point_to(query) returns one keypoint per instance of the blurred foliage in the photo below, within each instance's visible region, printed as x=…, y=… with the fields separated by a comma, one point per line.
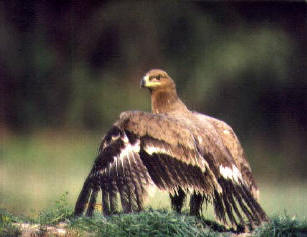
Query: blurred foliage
x=77, y=64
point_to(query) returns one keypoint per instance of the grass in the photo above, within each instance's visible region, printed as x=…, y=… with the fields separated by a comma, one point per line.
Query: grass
x=7, y=227
x=283, y=225
x=146, y=223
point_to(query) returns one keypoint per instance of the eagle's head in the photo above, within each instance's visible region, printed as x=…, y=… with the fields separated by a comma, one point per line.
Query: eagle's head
x=157, y=79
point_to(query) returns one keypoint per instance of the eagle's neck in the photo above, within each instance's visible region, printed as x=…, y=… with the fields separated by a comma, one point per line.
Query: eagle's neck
x=166, y=101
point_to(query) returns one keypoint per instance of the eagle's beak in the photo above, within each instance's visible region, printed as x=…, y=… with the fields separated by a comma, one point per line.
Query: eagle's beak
x=143, y=82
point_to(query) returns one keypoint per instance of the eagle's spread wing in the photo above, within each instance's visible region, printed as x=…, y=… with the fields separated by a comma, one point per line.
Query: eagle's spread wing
x=117, y=169
x=170, y=152
x=232, y=143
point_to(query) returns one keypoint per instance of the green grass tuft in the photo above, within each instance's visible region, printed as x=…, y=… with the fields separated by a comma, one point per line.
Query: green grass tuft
x=282, y=226
x=60, y=212
x=7, y=227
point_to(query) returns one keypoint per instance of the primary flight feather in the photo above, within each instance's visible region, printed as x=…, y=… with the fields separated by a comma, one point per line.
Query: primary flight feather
x=177, y=150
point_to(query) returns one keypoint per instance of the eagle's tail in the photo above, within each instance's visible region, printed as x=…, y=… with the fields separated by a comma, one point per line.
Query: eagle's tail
x=237, y=199
x=86, y=192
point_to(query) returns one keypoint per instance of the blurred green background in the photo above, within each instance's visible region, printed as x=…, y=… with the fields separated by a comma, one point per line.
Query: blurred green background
x=68, y=68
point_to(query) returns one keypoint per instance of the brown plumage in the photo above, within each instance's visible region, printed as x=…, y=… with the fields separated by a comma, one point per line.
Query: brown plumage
x=177, y=150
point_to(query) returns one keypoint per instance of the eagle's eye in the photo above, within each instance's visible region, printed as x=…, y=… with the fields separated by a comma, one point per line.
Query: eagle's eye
x=158, y=77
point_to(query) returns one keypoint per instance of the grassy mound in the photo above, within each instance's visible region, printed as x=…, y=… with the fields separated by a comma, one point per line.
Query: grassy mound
x=59, y=221
x=146, y=223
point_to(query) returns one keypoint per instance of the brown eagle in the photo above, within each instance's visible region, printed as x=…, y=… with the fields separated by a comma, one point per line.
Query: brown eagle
x=177, y=150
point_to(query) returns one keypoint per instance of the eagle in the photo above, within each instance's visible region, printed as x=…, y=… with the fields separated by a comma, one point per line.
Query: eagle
x=179, y=151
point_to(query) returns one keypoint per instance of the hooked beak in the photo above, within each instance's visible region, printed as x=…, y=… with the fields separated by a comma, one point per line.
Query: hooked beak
x=143, y=82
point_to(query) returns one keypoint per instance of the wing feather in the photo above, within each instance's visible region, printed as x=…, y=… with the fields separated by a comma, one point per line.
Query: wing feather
x=233, y=145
